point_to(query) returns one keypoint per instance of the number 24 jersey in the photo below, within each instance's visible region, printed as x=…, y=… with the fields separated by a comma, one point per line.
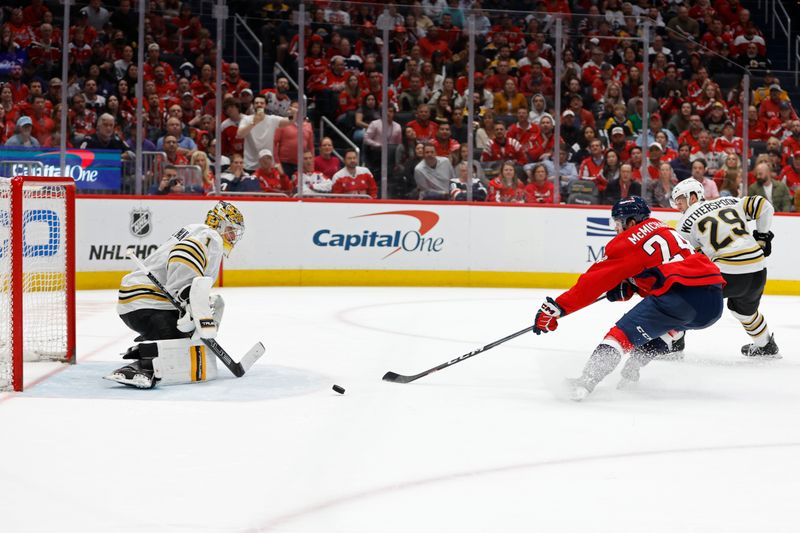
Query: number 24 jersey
x=651, y=255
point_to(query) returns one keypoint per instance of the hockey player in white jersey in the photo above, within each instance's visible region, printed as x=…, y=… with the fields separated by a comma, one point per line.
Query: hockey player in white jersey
x=719, y=228
x=170, y=348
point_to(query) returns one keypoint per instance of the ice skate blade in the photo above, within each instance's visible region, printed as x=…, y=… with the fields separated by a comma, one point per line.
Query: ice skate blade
x=138, y=381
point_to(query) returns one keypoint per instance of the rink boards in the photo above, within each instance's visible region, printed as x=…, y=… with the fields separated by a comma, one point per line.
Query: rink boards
x=380, y=243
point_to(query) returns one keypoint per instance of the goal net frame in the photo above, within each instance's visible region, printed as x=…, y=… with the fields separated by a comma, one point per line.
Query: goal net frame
x=14, y=283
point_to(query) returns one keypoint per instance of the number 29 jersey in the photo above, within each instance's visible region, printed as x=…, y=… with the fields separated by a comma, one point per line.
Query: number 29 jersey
x=651, y=255
x=719, y=228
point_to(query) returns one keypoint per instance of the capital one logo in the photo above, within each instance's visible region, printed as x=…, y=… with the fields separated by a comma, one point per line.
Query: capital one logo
x=393, y=240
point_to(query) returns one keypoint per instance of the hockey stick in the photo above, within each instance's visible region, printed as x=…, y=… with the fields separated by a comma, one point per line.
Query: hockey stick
x=394, y=377
x=237, y=369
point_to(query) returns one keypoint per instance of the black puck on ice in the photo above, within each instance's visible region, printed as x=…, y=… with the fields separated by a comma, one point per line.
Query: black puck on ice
x=338, y=389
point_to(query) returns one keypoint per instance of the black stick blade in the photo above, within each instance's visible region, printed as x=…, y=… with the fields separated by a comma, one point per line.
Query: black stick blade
x=397, y=378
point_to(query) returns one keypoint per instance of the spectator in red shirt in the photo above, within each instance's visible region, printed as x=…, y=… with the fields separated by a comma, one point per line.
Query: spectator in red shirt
x=21, y=32
x=771, y=107
x=423, y=126
x=690, y=136
x=791, y=144
x=542, y=144
x=502, y=148
x=497, y=81
x=431, y=43
x=790, y=174
x=19, y=89
x=507, y=187
x=170, y=147
x=353, y=179
x=285, y=142
x=165, y=88
x=270, y=178
x=591, y=168
x=523, y=131
x=326, y=162
x=82, y=120
x=43, y=125
x=444, y=143
x=539, y=190
x=230, y=143
x=152, y=61
x=235, y=83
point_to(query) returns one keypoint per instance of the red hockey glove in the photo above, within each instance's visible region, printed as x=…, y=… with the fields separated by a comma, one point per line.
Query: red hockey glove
x=621, y=293
x=547, y=317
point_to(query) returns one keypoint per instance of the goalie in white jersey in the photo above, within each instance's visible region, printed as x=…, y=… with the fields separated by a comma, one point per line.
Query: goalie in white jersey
x=719, y=229
x=170, y=349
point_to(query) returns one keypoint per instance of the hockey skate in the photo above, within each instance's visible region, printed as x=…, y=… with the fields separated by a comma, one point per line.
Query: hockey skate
x=768, y=351
x=578, y=389
x=134, y=375
x=629, y=376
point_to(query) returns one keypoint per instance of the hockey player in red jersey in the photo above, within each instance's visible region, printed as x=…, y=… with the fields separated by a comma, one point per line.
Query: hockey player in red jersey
x=681, y=290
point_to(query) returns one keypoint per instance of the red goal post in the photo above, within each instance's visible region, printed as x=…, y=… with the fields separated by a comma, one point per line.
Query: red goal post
x=37, y=274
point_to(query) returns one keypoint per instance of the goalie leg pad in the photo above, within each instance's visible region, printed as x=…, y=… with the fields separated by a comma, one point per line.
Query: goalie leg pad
x=183, y=361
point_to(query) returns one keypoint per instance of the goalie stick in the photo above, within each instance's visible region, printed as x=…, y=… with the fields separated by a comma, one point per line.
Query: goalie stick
x=394, y=377
x=237, y=369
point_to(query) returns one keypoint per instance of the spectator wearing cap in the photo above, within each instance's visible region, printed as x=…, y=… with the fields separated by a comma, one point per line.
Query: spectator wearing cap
x=728, y=142
x=620, y=144
x=524, y=66
x=271, y=179
x=790, y=174
x=763, y=92
x=771, y=106
x=618, y=121
x=569, y=132
x=776, y=192
x=153, y=61
x=24, y=136
x=655, y=156
x=655, y=127
x=716, y=118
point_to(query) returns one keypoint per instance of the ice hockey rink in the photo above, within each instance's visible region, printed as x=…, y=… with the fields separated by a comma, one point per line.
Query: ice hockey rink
x=710, y=443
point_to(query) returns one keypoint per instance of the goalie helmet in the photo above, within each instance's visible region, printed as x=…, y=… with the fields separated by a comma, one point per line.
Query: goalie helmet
x=631, y=207
x=228, y=221
x=686, y=188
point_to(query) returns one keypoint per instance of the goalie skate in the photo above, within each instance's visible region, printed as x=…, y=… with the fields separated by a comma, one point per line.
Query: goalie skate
x=577, y=389
x=133, y=376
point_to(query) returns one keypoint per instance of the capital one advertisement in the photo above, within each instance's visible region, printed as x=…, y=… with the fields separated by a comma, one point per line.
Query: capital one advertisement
x=91, y=169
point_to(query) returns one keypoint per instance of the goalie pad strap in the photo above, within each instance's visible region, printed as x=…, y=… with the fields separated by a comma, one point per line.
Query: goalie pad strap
x=183, y=361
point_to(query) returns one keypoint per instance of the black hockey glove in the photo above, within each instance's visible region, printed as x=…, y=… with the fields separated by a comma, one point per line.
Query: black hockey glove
x=621, y=293
x=765, y=241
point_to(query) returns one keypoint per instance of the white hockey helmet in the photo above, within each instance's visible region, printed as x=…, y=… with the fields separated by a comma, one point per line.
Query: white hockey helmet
x=229, y=223
x=686, y=188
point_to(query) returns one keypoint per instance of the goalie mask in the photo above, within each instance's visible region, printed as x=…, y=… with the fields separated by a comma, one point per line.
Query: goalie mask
x=228, y=221
x=685, y=189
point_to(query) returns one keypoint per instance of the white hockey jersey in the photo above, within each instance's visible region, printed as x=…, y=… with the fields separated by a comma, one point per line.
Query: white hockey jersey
x=719, y=229
x=194, y=250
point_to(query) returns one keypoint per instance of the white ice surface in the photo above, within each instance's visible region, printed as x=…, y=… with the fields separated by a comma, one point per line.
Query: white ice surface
x=707, y=444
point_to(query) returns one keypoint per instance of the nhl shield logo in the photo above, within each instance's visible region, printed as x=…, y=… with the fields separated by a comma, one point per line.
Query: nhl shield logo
x=141, y=224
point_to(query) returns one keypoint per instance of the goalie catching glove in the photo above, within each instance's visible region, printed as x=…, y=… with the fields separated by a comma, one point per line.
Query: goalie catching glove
x=198, y=316
x=547, y=317
x=764, y=240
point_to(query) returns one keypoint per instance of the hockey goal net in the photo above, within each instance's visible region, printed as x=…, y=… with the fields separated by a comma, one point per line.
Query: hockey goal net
x=37, y=274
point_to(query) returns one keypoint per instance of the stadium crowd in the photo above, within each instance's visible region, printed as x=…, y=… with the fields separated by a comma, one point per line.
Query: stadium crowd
x=697, y=53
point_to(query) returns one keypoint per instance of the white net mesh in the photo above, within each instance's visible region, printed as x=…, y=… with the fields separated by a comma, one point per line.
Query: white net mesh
x=44, y=302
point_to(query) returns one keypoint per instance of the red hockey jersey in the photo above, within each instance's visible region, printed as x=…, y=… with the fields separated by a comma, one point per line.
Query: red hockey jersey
x=653, y=255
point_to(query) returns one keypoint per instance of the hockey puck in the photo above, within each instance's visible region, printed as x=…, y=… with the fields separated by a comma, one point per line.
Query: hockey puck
x=338, y=389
